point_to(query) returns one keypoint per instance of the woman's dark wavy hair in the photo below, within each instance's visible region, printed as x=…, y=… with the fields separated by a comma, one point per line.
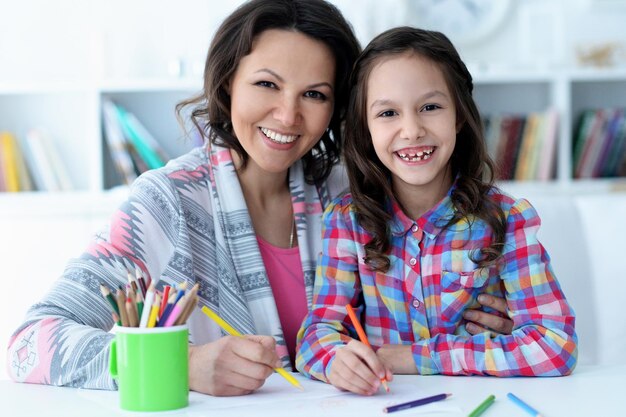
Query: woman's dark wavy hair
x=317, y=19
x=369, y=178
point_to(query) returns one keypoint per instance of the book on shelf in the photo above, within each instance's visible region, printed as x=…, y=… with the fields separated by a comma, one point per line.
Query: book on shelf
x=599, y=143
x=524, y=166
x=617, y=152
x=546, y=162
x=16, y=174
x=8, y=165
x=117, y=143
x=43, y=159
x=133, y=148
x=523, y=146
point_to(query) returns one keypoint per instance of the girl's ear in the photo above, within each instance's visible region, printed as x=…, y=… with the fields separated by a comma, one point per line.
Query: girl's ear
x=459, y=125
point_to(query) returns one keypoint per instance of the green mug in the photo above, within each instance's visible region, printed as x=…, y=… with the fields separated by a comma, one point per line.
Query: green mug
x=151, y=366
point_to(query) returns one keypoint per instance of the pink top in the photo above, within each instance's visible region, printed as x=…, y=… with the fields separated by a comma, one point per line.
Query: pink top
x=284, y=270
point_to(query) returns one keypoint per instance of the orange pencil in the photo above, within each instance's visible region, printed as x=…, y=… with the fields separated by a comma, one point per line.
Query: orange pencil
x=359, y=330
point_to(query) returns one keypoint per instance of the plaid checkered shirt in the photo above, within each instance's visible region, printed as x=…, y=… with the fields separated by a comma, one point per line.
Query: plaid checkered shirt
x=432, y=280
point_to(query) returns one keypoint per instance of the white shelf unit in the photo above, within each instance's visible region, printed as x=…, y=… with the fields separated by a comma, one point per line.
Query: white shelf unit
x=569, y=92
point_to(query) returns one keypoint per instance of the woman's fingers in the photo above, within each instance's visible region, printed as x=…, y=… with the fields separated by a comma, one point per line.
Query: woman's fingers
x=480, y=321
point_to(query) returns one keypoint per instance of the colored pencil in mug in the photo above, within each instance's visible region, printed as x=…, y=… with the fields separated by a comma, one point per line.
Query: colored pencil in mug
x=106, y=293
x=523, y=405
x=357, y=325
x=147, y=307
x=482, y=406
x=416, y=403
x=154, y=311
x=121, y=305
x=233, y=332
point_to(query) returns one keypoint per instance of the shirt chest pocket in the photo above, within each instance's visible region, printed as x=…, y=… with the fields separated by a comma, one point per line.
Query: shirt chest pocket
x=459, y=291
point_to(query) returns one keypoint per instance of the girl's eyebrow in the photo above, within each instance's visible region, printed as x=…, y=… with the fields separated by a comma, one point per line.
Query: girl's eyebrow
x=388, y=102
x=282, y=80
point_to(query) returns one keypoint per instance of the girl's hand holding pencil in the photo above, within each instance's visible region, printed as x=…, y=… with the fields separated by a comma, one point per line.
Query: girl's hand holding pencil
x=356, y=366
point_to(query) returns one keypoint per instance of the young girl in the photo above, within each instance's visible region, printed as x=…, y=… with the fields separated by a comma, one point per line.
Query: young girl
x=423, y=232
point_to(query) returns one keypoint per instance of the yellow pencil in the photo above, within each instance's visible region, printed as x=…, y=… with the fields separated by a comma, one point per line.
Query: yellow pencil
x=154, y=311
x=231, y=331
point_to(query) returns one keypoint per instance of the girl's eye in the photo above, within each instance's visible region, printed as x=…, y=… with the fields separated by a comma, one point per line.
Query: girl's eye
x=430, y=107
x=266, y=84
x=387, y=113
x=315, y=95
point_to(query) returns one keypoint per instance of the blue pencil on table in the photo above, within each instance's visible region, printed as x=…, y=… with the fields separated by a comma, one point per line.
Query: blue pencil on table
x=523, y=405
x=415, y=403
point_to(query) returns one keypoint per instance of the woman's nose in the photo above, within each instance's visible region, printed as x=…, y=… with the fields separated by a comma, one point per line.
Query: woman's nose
x=287, y=111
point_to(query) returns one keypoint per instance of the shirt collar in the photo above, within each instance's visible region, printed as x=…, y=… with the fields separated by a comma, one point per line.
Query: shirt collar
x=432, y=222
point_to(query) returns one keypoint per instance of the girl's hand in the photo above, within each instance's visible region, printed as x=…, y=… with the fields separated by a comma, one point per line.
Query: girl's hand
x=480, y=321
x=232, y=365
x=356, y=368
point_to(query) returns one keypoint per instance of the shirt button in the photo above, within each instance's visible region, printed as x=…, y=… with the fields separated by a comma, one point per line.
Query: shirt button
x=415, y=228
x=412, y=261
x=416, y=303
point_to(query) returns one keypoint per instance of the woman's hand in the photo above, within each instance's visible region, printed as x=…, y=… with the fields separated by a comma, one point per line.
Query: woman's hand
x=397, y=358
x=480, y=321
x=356, y=368
x=232, y=365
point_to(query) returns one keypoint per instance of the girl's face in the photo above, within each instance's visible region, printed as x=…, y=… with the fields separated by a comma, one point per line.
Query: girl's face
x=282, y=97
x=412, y=120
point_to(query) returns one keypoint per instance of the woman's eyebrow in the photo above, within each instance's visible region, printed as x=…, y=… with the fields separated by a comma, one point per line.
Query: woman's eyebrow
x=282, y=80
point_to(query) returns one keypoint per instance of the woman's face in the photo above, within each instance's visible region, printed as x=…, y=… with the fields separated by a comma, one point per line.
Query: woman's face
x=282, y=97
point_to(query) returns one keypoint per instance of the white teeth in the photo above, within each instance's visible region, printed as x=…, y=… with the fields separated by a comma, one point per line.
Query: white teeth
x=277, y=137
x=419, y=156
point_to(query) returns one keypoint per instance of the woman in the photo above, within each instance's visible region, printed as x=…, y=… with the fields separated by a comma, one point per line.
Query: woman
x=240, y=216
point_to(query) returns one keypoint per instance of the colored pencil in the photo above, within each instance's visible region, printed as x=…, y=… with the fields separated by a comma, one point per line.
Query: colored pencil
x=106, y=293
x=121, y=305
x=523, y=405
x=415, y=403
x=154, y=311
x=233, y=332
x=357, y=325
x=188, y=310
x=131, y=309
x=141, y=282
x=185, y=302
x=166, y=294
x=147, y=306
x=139, y=300
x=131, y=280
x=483, y=406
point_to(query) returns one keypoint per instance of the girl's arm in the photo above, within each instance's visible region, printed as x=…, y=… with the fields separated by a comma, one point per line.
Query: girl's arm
x=64, y=339
x=543, y=341
x=327, y=326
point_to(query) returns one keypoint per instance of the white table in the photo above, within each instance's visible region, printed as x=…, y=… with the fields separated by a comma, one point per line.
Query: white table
x=590, y=391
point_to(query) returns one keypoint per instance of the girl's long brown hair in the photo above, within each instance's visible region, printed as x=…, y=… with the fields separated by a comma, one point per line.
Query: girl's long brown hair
x=470, y=163
x=233, y=40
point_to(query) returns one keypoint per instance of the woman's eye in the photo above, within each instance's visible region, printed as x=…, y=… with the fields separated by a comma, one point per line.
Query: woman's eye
x=267, y=84
x=315, y=95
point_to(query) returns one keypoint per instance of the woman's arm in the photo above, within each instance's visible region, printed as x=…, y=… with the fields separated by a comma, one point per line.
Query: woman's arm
x=64, y=339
